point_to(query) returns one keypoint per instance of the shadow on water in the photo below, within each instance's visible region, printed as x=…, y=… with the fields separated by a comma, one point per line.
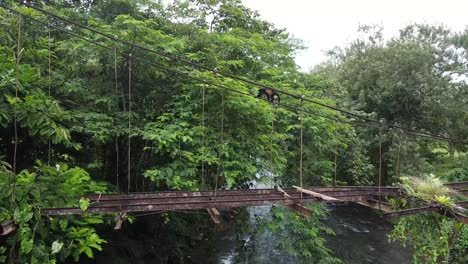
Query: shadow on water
x=361, y=237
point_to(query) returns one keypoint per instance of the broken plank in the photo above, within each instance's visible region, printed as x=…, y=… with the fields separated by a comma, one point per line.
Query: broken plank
x=300, y=209
x=119, y=218
x=214, y=214
x=461, y=192
x=376, y=204
x=283, y=192
x=316, y=194
x=412, y=211
x=457, y=184
x=461, y=217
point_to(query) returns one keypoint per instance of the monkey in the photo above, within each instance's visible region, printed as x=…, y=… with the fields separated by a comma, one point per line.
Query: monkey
x=270, y=93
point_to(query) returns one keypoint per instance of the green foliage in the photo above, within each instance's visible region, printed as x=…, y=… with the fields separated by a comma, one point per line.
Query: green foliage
x=416, y=80
x=428, y=188
x=85, y=116
x=166, y=109
x=46, y=239
x=2, y=256
x=458, y=250
x=397, y=203
x=443, y=200
x=84, y=241
x=302, y=237
x=354, y=167
x=432, y=236
x=84, y=204
x=459, y=173
x=456, y=175
x=429, y=234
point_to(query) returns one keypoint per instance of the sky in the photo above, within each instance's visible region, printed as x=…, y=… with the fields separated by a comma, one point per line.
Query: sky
x=324, y=24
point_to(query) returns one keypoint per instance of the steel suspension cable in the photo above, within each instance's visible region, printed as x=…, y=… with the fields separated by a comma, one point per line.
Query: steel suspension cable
x=129, y=151
x=174, y=58
x=50, y=84
x=380, y=161
x=220, y=154
x=302, y=144
x=415, y=132
x=336, y=149
x=17, y=85
x=397, y=170
x=389, y=126
x=185, y=75
x=272, y=142
x=15, y=110
x=116, y=122
x=203, y=137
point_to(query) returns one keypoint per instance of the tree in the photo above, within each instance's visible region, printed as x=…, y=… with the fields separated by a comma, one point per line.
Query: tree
x=410, y=80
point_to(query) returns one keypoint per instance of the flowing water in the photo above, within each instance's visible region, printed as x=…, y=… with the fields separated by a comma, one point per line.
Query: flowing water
x=361, y=237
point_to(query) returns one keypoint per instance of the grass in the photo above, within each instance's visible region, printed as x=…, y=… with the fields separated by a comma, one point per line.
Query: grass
x=427, y=188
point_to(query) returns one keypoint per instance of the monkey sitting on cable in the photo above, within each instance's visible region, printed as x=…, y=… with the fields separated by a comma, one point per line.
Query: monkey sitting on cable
x=270, y=93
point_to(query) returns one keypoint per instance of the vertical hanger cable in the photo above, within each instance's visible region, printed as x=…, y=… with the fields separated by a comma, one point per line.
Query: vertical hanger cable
x=203, y=137
x=336, y=150
x=220, y=155
x=50, y=84
x=397, y=170
x=380, y=160
x=15, y=114
x=301, y=143
x=129, y=166
x=272, y=143
x=116, y=121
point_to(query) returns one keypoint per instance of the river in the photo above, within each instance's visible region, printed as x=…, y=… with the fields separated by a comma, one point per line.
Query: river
x=361, y=237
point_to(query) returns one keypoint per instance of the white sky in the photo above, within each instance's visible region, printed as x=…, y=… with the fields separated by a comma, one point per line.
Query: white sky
x=324, y=24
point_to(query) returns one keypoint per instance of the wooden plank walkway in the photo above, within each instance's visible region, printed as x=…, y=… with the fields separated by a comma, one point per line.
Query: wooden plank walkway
x=290, y=197
x=293, y=198
x=457, y=213
x=173, y=201
x=460, y=188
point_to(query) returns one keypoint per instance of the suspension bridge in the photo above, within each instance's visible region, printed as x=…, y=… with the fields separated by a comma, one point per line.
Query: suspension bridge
x=294, y=198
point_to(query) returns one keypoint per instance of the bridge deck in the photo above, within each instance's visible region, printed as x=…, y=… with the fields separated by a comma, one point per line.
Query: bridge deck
x=182, y=200
x=166, y=201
